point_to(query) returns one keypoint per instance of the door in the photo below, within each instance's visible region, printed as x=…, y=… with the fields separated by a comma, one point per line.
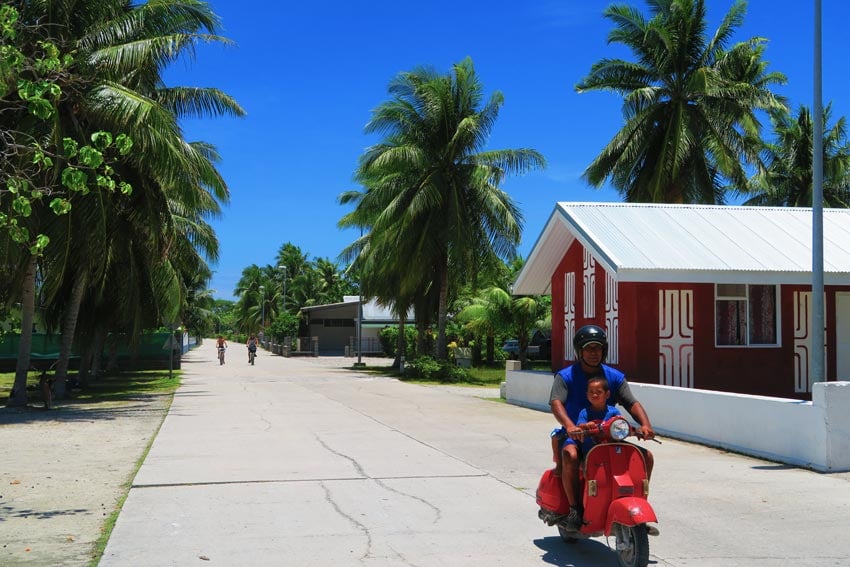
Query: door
x=842, y=335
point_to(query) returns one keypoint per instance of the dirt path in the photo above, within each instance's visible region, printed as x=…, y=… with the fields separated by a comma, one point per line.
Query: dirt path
x=64, y=471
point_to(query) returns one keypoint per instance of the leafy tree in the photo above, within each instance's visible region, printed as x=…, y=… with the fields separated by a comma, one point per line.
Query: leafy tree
x=129, y=262
x=488, y=315
x=529, y=313
x=431, y=188
x=786, y=180
x=690, y=104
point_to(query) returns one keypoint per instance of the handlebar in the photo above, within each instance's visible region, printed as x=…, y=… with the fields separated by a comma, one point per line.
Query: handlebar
x=594, y=428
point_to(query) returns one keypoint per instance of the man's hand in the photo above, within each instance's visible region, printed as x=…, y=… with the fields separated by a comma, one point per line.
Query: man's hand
x=646, y=432
x=576, y=433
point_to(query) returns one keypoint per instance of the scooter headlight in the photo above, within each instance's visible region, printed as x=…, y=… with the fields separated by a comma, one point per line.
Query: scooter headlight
x=619, y=429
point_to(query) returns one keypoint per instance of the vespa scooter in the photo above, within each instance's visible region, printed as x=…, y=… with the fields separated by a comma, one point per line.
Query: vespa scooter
x=614, y=488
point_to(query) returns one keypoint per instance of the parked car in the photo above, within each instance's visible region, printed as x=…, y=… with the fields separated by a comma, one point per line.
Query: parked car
x=511, y=347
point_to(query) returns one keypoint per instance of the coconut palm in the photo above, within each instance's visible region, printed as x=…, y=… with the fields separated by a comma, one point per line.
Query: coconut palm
x=115, y=85
x=378, y=278
x=689, y=103
x=435, y=186
x=487, y=315
x=249, y=305
x=786, y=178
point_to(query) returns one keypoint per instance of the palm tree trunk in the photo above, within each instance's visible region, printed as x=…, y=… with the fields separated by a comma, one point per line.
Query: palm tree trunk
x=420, y=337
x=523, y=351
x=442, y=310
x=97, y=351
x=18, y=397
x=400, y=343
x=112, y=361
x=85, y=361
x=491, y=348
x=72, y=312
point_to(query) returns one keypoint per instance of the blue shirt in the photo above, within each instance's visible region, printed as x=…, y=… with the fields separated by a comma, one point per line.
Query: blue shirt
x=575, y=381
x=589, y=414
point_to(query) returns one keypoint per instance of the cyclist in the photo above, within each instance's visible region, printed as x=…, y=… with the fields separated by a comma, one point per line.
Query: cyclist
x=252, y=346
x=220, y=345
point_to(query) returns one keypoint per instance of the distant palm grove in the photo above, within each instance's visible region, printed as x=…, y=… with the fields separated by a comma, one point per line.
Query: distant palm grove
x=105, y=206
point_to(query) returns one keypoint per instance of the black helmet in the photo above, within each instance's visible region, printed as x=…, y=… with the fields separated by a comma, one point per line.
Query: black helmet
x=587, y=335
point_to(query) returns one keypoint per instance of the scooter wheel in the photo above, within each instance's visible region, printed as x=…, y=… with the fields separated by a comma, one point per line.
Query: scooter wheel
x=566, y=535
x=632, y=545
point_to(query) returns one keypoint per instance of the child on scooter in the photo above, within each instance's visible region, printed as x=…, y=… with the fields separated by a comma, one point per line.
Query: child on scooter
x=598, y=393
x=599, y=410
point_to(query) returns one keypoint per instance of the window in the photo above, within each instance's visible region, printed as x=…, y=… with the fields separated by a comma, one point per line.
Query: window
x=745, y=315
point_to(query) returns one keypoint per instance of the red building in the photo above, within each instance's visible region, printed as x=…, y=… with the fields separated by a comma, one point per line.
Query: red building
x=697, y=296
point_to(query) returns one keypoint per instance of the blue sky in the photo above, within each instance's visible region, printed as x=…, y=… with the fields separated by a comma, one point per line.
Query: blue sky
x=309, y=74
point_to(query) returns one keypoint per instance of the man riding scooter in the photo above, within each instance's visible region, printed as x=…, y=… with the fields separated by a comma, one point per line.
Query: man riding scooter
x=568, y=397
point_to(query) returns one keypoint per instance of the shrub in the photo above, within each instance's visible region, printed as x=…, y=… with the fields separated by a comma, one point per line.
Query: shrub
x=426, y=368
x=389, y=339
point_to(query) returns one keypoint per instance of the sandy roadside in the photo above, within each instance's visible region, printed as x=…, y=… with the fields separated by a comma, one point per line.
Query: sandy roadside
x=64, y=471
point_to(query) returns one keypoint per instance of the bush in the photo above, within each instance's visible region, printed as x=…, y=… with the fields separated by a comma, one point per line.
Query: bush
x=426, y=368
x=389, y=339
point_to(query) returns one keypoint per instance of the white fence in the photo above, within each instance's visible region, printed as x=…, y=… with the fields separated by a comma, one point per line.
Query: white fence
x=812, y=434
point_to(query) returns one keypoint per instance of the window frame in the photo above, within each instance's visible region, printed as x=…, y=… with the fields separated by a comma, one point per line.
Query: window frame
x=777, y=297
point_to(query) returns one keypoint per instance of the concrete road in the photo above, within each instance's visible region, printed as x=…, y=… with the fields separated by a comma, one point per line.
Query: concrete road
x=299, y=462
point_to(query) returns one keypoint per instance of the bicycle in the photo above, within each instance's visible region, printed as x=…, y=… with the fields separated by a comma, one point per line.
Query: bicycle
x=221, y=350
x=252, y=354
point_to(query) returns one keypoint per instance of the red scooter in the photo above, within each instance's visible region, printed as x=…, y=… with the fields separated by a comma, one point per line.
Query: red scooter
x=614, y=487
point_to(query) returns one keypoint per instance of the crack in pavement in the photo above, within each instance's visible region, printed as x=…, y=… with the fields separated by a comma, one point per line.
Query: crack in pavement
x=352, y=520
x=438, y=514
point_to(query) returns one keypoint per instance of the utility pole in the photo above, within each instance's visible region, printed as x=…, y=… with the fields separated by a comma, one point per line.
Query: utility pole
x=263, y=308
x=816, y=364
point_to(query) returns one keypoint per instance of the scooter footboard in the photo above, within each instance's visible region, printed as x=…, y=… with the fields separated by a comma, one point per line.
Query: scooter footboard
x=629, y=511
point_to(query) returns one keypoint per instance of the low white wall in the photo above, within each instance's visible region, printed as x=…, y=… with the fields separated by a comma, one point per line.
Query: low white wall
x=812, y=434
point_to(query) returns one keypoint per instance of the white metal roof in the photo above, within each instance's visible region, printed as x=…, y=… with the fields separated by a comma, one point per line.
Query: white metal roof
x=372, y=311
x=691, y=244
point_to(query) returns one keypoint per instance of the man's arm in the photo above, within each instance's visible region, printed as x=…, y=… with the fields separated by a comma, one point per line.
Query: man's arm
x=635, y=409
x=641, y=417
x=560, y=413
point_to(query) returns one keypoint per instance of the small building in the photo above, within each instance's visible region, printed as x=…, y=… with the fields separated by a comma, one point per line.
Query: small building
x=335, y=325
x=696, y=296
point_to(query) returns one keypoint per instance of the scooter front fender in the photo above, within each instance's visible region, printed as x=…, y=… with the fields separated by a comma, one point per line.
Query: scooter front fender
x=629, y=511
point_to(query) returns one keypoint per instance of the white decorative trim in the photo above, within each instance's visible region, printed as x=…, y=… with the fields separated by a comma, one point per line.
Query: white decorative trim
x=569, y=314
x=589, y=285
x=802, y=340
x=676, y=337
x=612, y=317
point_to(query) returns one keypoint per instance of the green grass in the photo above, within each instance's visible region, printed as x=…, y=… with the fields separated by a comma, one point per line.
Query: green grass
x=481, y=376
x=118, y=387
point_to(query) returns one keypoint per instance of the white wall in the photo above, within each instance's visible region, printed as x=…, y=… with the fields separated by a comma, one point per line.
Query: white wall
x=812, y=434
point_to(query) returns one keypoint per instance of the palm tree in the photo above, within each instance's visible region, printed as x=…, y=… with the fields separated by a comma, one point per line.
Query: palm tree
x=295, y=261
x=431, y=186
x=786, y=178
x=120, y=52
x=488, y=314
x=529, y=313
x=249, y=305
x=379, y=278
x=689, y=103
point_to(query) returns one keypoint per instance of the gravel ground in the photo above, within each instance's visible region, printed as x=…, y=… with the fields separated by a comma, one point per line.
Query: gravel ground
x=64, y=472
